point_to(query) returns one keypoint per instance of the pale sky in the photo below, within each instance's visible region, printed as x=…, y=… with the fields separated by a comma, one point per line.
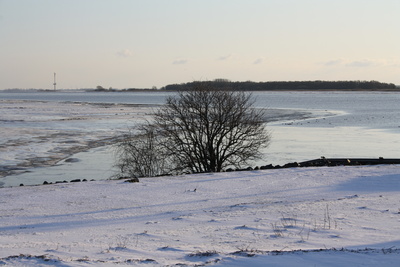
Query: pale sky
x=140, y=44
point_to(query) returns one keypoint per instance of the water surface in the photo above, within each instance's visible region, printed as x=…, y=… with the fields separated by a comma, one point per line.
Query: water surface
x=343, y=124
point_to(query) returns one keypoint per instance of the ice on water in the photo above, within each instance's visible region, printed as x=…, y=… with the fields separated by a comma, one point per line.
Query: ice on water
x=37, y=133
x=303, y=126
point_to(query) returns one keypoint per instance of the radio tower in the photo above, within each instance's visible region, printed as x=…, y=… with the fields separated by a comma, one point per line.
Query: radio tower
x=54, y=81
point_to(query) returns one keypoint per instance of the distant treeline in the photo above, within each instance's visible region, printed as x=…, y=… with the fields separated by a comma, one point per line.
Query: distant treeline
x=293, y=85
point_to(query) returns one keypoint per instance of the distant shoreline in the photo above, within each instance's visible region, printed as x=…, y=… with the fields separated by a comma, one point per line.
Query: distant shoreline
x=224, y=84
x=397, y=90
x=267, y=90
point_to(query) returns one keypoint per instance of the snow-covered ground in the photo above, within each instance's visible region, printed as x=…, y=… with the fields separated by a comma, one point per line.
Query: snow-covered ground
x=337, y=216
x=342, y=216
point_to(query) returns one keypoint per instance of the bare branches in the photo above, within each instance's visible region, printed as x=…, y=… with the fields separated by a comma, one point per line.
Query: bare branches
x=199, y=130
x=212, y=129
x=140, y=155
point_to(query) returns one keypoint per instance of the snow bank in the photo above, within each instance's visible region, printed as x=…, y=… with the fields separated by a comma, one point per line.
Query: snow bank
x=286, y=217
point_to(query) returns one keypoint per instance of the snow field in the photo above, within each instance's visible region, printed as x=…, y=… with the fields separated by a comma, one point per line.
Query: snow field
x=212, y=219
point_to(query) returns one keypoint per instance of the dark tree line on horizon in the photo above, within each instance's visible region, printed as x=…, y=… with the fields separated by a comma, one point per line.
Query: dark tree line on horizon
x=287, y=85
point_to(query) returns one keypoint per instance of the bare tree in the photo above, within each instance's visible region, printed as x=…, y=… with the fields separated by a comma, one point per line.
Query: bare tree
x=140, y=154
x=207, y=130
x=198, y=130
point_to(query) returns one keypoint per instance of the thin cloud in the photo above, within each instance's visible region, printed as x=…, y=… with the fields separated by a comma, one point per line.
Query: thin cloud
x=180, y=61
x=361, y=63
x=124, y=53
x=334, y=62
x=222, y=58
x=364, y=63
x=258, y=61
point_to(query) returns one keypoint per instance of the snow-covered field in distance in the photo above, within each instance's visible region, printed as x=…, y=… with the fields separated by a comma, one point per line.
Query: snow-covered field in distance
x=275, y=217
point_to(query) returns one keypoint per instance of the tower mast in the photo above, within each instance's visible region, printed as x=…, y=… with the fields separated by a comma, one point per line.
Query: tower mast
x=54, y=81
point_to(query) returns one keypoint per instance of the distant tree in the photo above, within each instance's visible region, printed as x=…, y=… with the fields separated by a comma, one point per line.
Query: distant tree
x=288, y=85
x=202, y=130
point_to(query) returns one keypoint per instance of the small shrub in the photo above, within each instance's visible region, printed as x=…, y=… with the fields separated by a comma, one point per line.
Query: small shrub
x=208, y=253
x=277, y=230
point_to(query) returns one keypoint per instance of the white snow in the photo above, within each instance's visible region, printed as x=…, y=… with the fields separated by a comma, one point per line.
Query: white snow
x=340, y=216
x=327, y=216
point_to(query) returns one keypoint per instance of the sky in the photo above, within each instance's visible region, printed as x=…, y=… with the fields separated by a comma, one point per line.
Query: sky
x=147, y=43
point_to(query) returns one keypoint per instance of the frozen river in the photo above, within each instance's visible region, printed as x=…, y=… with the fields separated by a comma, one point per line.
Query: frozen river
x=73, y=131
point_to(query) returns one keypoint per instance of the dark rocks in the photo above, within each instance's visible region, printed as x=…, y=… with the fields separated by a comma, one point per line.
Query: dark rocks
x=266, y=167
x=64, y=182
x=325, y=162
x=245, y=169
x=133, y=180
x=347, y=162
x=72, y=160
x=122, y=177
x=291, y=165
